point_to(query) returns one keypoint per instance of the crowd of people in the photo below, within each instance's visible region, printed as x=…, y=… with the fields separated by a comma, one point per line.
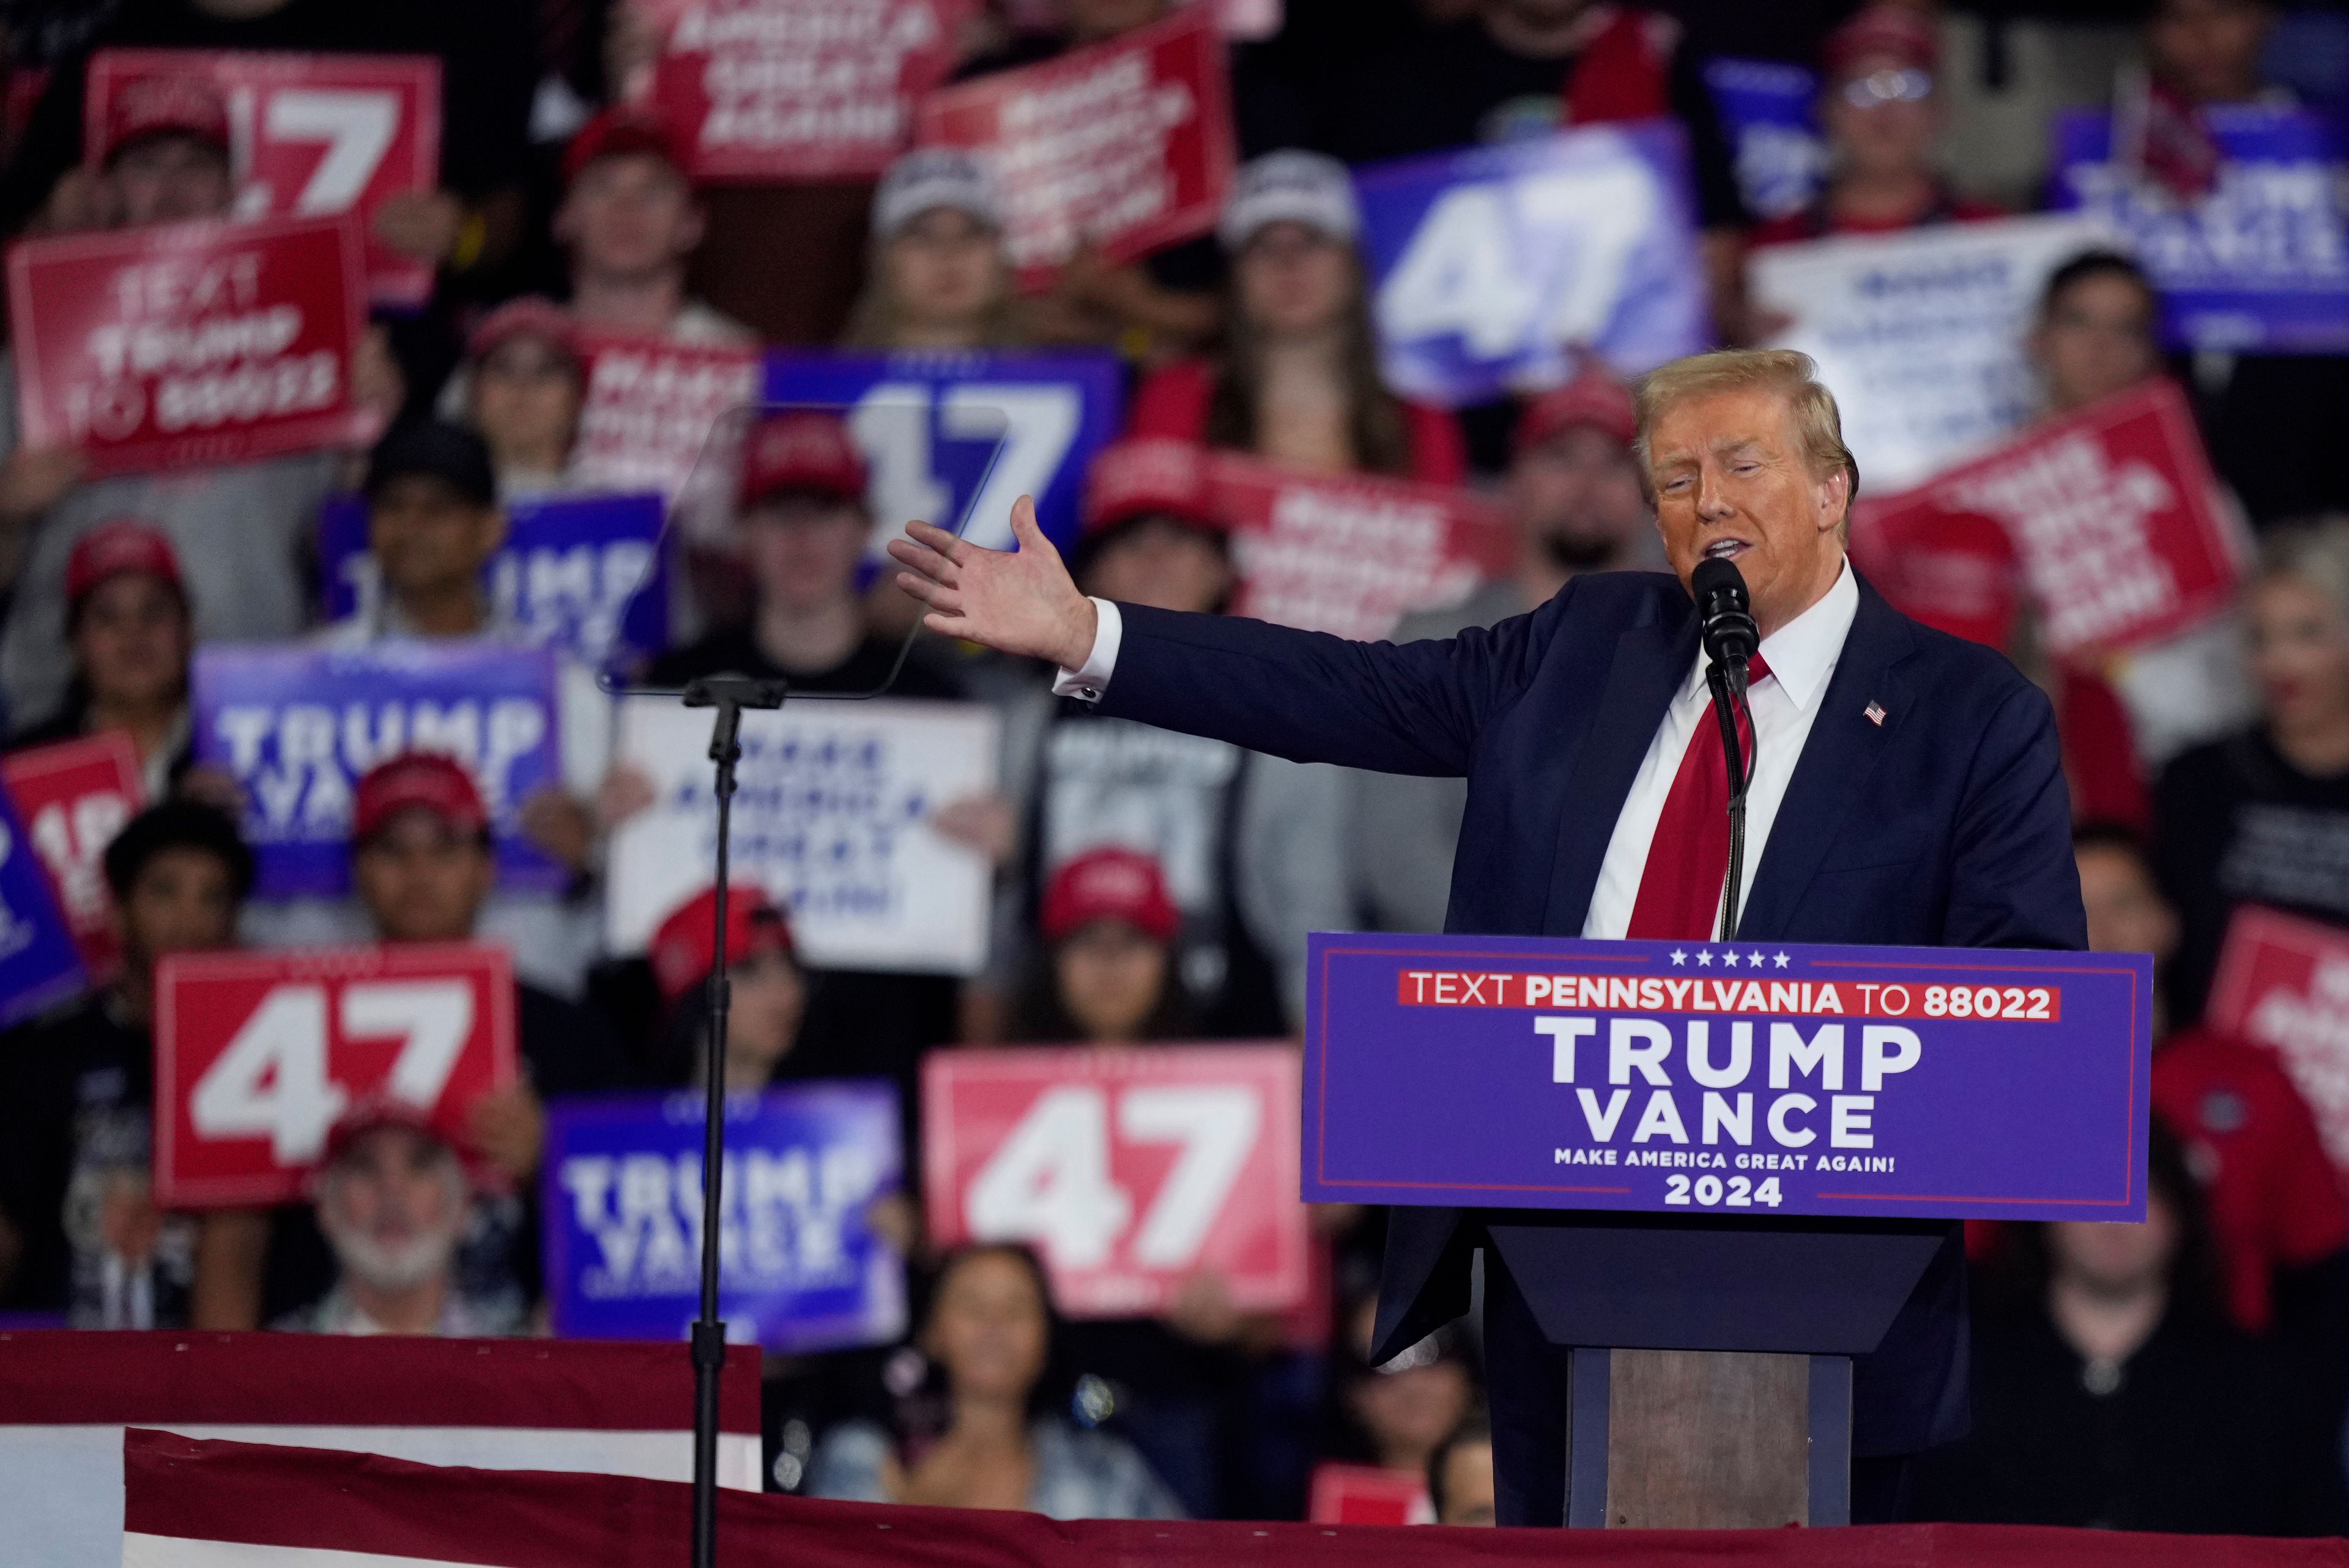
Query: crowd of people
x=1150, y=890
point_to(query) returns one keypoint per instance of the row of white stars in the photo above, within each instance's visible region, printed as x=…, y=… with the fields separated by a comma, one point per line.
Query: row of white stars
x=1704, y=959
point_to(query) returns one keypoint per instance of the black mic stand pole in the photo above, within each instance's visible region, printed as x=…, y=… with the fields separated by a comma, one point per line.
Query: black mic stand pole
x=731, y=696
x=1727, y=679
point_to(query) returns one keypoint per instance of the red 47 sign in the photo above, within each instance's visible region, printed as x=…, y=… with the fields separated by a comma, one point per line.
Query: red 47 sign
x=1128, y=1170
x=310, y=135
x=73, y=798
x=257, y=1055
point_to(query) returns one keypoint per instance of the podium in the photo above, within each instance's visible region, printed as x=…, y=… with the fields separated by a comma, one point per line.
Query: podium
x=1718, y=1175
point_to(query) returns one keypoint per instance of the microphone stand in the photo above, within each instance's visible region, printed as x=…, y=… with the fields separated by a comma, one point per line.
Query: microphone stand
x=731, y=696
x=1727, y=679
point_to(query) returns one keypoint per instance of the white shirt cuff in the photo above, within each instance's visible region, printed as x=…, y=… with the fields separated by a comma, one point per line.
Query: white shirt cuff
x=1089, y=681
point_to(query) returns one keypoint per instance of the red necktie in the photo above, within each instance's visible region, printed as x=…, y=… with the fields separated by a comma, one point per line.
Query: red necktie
x=1688, y=859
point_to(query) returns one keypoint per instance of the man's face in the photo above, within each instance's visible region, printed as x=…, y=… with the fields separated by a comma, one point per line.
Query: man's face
x=2210, y=48
x=428, y=536
x=1731, y=483
x=628, y=217
x=2127, y=913
x=183, y=900
x=169, y=179
x=1163, y=563
x=130, y=640
x=803, y=550
x=1468, y=1485
x=1874, y=123
x=392, y=1205
x=1577, y=497
x=2094, y=339
x=423, y=880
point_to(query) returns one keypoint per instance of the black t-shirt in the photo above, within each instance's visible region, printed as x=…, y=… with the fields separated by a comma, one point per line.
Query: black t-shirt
x=735, y=651
x=2197, y=1433
x=1455, y=86
x=2236, y=824
x=488, y=63
x=77, y=1091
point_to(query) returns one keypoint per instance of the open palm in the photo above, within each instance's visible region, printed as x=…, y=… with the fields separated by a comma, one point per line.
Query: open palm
x=1020, y=601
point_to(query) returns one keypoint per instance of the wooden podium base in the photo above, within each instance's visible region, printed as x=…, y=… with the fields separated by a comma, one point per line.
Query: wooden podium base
x=1696, y=1439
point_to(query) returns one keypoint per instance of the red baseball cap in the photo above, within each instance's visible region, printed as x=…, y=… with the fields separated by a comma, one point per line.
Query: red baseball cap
x=1593, y=398
x=801, y=451
x=618, y=131
x=1150, y=476
x=1882, y=31
x=176, y=103
x=683, y=952
x=532, y=316
x=417, y=781
x=124, y=545
x=371, y=1112
x=1110, y=883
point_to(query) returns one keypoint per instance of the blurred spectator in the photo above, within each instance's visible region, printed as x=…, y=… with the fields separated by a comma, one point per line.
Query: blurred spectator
x=2262, y=817
x=1575, y=492
x=391, y=1201
x=1108, y=975
x=520, y=390
x=128, y=625
x=423, y=871
x=1399, y=1413
x=1517, y=68
x=433, y=523
x=1298, y=378
x=79, y=1228
x=938, y=278
x=2094, y=334
x=1880, y=112
x=243, y=532
x=767, y=992
x=487, y=65
x=2278, y=1223
x=2110, y=1392
x=981, y=1431
x=630, y=222
x=1251, y=846
x=1460, y=1475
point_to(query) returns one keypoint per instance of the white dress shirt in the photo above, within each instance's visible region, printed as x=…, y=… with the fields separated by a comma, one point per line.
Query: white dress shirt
x=1802, y=657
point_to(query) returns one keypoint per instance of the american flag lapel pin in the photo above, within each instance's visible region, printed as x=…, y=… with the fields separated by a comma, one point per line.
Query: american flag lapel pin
x=1875, y=712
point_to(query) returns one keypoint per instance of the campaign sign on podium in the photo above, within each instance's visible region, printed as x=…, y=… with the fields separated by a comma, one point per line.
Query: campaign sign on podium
x=1758, y=1077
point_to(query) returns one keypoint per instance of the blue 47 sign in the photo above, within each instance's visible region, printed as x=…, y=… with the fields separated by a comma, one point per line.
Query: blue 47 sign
x=2261, y=263
x=1496, y=267
x=954, y=438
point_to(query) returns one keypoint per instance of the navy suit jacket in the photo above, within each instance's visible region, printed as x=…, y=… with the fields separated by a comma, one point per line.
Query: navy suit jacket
x=1945, y=822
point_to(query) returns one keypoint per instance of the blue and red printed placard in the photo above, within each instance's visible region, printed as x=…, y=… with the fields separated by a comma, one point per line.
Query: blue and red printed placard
x=39, y=961
x=1758, y=1077
x=800, y=1267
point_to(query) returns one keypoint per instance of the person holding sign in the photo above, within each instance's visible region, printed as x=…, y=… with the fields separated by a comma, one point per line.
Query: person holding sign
x=1928, y=807
x=939, y=279
x=392, y=1200
x=1298, y=380
x=985, y=1432
x=129, y=626
x=1109, y=976
x=78, y=1230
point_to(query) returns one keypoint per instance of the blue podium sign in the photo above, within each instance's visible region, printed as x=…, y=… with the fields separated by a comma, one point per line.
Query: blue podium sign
x=1759, y=1077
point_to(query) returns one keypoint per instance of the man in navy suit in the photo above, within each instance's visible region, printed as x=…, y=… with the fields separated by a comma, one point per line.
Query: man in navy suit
x=1905, y=789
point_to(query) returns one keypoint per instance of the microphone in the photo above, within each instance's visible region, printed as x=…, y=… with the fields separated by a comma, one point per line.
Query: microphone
x=1729, y=635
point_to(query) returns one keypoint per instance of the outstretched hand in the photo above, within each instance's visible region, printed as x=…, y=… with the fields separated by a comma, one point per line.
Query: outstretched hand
x=1019, y=601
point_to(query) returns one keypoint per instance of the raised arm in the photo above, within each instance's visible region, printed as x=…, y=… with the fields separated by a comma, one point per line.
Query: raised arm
x=1303, y=695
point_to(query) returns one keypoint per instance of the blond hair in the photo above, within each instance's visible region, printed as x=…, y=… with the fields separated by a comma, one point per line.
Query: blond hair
x=1818, y=425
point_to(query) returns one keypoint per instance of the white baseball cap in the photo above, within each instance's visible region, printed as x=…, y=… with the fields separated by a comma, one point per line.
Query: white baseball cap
x=1290, y=186
x=931, y=177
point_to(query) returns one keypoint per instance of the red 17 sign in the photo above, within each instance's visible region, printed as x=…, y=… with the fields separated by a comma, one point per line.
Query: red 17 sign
x=188, y=345
x=258, y=1054
x=1124, y=146
x=73, y=798
x=2284, y=982
x=1128, y=1170
x=2113, y=514
x=1353, y=553
x=310, y=135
